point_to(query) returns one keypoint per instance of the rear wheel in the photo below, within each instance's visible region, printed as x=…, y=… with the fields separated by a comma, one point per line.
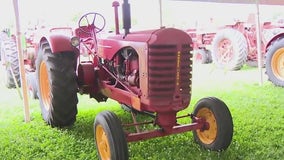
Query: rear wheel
x=57, y=87
x=275, y=62
x=220, y=132
x=11, y=62
x=110, y=138
x=229, y=49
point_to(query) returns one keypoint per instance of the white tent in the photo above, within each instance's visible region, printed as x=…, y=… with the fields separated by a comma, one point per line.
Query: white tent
x=264, y=2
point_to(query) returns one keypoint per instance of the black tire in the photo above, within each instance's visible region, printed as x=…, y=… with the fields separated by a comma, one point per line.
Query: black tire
x=109, y=137
x=233, y=57
x=57, y=86
x=275, y=62
x=219, y=135
x=209, y=56
x=203, y=56
x=11, y=62
x=32, y=85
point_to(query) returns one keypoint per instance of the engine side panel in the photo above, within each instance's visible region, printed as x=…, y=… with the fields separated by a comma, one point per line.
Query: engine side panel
x=109, y=46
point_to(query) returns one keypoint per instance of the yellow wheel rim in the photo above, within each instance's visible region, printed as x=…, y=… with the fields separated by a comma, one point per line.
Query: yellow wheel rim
x=277, y=63
x=207, y=136
x=102, y=143
x=44, y=85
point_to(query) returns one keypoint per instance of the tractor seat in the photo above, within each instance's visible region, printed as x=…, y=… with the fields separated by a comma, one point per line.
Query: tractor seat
x=80, y=33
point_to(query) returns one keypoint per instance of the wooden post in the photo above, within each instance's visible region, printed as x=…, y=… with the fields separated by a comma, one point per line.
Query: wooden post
x=21, y=62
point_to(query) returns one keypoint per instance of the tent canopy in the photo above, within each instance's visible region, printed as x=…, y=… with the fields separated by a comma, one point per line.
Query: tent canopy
x=263, y=2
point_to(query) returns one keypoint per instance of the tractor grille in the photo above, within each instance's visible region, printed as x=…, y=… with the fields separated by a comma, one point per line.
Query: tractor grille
x=165, y=61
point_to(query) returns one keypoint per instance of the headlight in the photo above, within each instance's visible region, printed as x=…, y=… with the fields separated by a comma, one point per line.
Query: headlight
x=75, y=41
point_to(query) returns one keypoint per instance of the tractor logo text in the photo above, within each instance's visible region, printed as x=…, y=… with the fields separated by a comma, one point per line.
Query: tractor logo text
x=178, y=69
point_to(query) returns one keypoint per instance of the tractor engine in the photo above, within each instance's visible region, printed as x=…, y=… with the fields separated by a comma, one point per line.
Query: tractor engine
x=147, y=70
x=125, y=66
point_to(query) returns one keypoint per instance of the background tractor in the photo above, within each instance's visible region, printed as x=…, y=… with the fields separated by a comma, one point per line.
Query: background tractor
x=232, y=45
x=202, y=36
x=235, y=45
x=147, y=72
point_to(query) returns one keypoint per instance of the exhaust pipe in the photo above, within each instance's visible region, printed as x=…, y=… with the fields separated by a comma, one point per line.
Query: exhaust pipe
x=115, y=5
x=126, y=17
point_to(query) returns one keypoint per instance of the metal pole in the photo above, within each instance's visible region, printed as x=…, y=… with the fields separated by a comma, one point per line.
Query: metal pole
x=21, y=62
x=258, y=43
x=161, y=14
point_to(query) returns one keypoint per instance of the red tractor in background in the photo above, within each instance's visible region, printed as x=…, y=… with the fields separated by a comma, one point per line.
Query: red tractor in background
x=202, y=38
x=147, y=72
x=233, y=45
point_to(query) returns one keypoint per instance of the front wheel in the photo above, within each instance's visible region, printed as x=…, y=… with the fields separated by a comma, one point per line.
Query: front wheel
x=203, y=56
x=32, y=86
x=57, y=86
x=220, y=132
x=110, y=138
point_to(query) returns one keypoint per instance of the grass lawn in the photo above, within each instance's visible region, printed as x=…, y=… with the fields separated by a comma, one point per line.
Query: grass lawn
x=257, y=111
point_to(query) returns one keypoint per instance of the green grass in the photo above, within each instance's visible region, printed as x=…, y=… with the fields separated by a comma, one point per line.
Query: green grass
x=257, y=111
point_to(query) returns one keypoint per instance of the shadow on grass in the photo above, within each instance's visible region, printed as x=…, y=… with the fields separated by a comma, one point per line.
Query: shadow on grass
x=84, y=125
x=169, y=147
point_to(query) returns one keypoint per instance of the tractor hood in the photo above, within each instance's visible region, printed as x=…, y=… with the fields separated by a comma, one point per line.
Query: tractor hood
x=108, y=46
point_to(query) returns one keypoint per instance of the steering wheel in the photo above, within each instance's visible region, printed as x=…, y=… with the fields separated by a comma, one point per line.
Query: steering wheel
x=92, y=23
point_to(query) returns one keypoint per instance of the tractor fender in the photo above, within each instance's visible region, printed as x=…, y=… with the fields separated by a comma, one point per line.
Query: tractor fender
x=58, y=43
x=273, y=39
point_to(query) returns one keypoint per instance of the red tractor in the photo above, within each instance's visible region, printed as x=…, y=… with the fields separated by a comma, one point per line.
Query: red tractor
x=147, y=72
x=274, y=61
x=202, y=39
x=235, y=45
